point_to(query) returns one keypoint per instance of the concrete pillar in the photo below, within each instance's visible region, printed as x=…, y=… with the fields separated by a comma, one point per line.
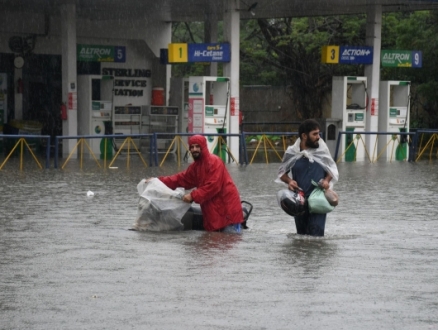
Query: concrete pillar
x=69, y=75
x=210, y=34
x=232, y=69
x=372, y=72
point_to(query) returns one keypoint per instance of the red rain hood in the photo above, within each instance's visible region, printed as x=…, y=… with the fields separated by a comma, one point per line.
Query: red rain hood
x=202, y=142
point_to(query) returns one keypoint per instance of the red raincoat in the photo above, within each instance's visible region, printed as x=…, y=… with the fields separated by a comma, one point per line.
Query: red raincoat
x=216, y=192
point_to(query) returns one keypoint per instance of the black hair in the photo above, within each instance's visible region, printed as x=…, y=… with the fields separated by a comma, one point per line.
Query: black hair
x=307, y=126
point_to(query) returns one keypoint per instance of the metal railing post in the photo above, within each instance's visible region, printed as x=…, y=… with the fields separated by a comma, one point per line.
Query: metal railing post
x=155, y=146
x=55, y=162
x=48, y=153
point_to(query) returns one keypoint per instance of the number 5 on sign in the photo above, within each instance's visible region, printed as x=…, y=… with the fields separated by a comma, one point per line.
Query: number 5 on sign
x=330, y=54
x=178, y=53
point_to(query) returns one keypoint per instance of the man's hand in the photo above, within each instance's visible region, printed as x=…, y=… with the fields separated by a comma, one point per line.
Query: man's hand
x=324, y=183
x=293, y=185
x=187, y=198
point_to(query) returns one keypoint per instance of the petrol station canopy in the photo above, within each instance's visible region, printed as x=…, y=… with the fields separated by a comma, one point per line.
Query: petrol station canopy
x=197, y=10
x=60, y=25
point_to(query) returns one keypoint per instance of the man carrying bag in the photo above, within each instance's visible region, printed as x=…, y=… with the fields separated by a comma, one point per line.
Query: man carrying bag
x=308, y=160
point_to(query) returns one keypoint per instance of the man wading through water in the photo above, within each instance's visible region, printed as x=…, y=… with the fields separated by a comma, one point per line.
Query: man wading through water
x=308, y=159
x=215, y=190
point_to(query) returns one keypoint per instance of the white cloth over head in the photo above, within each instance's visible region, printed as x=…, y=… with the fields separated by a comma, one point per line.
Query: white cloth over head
x=321, y=155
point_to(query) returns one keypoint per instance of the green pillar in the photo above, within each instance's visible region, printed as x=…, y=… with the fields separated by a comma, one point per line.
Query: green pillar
x=106, y=144
x=221, y=148
x=401, y=152
x=350, y=155
x=106, y=148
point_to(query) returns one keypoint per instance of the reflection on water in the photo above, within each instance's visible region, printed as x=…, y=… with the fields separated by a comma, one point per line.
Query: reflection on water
x=69, y=261
x=213, y=242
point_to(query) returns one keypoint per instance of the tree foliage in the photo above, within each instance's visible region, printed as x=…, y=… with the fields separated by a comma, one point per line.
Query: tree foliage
x=289, y=49
x=419, y=31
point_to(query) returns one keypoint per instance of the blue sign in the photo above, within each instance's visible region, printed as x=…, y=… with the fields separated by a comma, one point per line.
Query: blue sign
x=120, y=54
x=164, y=56
x=356, y=55
x=417, y=59
x=209, y=52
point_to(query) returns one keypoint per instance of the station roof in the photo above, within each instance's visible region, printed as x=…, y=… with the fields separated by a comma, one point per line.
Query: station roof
x=195, y=10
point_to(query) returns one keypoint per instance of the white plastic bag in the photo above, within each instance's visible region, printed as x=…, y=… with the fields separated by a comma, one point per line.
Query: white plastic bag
x=159, y=207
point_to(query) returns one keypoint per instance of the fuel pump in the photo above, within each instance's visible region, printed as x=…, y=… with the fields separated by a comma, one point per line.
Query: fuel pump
x=210, y=118
x=393, y=117
x=95, y=108
x=349, y=103
x=221, y=146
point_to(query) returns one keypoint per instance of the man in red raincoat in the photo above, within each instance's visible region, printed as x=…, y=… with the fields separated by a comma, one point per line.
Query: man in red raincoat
x=215, y=190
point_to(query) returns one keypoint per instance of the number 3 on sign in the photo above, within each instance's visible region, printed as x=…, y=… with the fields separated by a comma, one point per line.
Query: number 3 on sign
x=330, y=54
x=178, y=53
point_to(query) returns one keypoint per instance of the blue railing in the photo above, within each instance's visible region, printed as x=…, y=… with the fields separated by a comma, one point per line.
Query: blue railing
x=153, y=152
x=240, y=136
x=340, y=133
x=115, y=136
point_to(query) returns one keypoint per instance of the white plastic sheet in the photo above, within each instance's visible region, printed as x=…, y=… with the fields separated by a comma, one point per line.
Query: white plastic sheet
x=159, y=207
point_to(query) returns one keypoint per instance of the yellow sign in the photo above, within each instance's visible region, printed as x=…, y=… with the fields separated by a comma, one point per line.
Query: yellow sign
x=330, y=54
x=178, y=53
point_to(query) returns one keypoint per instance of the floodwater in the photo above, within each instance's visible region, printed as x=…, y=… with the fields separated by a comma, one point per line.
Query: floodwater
x=68, y=261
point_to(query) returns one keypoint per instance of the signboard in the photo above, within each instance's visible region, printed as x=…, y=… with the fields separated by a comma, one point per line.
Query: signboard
x=209, y=111
x=164, y=56
x=374, y=107
x=234, y=106
x=177, y=53
x=196, y=118
x=164, y=110
x=98, y=53
x=330, y=54
x=73, y=101
x=184, y=53
x=393, y=112
x=401, y=59
x=358, y=117
x=219, y=52
x=417, y=59
x=356, y=55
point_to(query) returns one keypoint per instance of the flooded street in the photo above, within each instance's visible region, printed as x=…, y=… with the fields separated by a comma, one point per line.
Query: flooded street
x=68, y=261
